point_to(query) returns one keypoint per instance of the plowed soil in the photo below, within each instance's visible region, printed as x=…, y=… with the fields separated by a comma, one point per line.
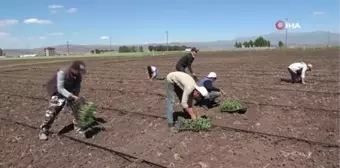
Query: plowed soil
x=286, y=125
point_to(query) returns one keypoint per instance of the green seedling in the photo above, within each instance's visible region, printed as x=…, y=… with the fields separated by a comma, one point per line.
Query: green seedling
x=230, y=105
x=86, y=114
x=199, y=124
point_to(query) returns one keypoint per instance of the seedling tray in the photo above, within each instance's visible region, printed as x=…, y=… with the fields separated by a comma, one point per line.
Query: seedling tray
x=243, y=109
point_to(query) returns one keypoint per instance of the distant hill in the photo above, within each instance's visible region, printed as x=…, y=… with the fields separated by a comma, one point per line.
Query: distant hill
x=303, y=38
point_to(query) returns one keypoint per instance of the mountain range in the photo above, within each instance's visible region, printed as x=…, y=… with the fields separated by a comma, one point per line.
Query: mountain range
x=293, y=39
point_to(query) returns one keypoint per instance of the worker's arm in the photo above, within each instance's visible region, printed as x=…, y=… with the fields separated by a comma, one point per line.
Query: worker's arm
x=184, y=102
x=303, y=75
x=190, y=60
x=60, y=85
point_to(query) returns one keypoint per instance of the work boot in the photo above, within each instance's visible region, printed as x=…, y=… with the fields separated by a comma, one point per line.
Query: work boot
x=43, y=134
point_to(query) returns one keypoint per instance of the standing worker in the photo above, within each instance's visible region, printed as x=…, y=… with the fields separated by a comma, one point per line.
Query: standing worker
x=186, y=61
x=186, y=89
x=214, y=92
x=298, y=71
x=63, y=88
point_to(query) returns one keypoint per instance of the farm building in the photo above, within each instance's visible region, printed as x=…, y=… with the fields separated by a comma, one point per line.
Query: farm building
x=49, y=51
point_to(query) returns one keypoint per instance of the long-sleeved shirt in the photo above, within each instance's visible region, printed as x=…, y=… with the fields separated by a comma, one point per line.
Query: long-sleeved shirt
x=61, y=85
x=185, y=62
x=299, y=67
x=186, y=83
x=209, y=86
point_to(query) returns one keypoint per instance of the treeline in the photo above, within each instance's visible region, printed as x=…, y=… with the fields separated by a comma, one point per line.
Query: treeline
x=259, y=42
x=165, y=48
x=98, y=51
x=1, y=52
x=125, y=49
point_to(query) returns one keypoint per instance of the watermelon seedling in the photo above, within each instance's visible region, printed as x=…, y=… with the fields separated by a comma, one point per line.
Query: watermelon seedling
x=199, y=124
x=230, y=105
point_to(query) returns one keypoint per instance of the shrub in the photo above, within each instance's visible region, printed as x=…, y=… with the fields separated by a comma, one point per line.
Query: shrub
x=86, y=114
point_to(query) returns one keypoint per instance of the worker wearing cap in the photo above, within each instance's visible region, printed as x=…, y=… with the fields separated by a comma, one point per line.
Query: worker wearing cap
x=186, y=89
x=186, y=61
x=152, y=72
x=298, y=71
x=62, y=88
x=207, y=82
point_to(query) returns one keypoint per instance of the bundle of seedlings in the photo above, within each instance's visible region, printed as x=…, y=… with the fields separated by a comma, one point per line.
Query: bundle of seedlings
x=196, y=125
x=85, y=112
x=233, y=106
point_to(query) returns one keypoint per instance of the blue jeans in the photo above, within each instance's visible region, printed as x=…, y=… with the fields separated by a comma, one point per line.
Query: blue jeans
x=170, y=99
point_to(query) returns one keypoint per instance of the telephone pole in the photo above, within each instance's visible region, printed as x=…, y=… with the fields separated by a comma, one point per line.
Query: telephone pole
x=286, y=32
x=68, y=48
x=167, y=42
x=328, y=38
x=110, y=42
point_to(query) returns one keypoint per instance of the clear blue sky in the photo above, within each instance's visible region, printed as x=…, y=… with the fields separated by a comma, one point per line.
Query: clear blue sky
x=145, y=21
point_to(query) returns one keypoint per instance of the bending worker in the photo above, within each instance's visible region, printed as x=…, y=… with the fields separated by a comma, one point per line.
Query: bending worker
x=214, y=92
x=186, y=89
x=298, y=71
x=186, y=61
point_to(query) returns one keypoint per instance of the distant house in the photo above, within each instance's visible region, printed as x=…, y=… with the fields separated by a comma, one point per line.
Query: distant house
x=49, y=51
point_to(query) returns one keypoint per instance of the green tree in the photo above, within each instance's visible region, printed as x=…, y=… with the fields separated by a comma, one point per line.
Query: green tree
x=141, y=49
x=246, y=44
x=150, y=48
x=280, y=44
x=251, y=43
x=1, y=52
x=268, y=43
x=260, y=42
x=236, y=44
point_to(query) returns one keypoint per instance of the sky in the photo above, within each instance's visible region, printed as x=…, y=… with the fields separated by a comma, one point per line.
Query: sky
x=41, y=23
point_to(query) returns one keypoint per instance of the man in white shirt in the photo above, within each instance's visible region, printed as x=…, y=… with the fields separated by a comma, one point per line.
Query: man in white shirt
x=298, y=71
x=152, y=71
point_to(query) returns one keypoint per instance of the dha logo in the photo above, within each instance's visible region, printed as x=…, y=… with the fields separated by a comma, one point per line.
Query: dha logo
x=281, y=25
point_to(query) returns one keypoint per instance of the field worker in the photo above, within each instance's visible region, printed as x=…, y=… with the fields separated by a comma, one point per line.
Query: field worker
x=298, y=71
x=152, y=72
x=186, y=89
x=186, y=61
x=207, y=82
x=63, y=88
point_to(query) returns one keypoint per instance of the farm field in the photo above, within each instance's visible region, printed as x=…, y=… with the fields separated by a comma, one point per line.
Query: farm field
x=285, y=126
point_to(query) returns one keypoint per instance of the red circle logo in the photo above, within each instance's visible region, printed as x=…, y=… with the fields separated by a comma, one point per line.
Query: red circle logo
x=280, y=25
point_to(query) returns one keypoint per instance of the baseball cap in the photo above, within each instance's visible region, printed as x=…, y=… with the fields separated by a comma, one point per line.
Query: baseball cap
x=194, y=49
x=203, y=91
x=212, y=75
x=79, y=66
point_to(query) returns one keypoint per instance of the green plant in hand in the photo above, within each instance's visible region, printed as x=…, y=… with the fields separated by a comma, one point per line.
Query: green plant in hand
x=86, y=114
x=199, y=124
x=230, y=105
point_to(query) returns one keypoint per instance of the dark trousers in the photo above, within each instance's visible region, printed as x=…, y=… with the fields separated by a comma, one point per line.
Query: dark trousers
x=295, y=76
x=181, y=69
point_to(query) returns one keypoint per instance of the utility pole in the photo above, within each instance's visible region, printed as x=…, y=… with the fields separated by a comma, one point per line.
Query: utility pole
x=110, y=42
x=286, y=33
x=167, y=42
x=328, y=38
x=68, y=48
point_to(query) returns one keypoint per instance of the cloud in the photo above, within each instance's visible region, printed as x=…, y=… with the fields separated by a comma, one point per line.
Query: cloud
x=3, y=35
x=55, y=6
x=318, y=13
x=104, y=37
x=37, y=21
x=55, y=34
x=42, y=37
x=71, y=10
x=7, y=22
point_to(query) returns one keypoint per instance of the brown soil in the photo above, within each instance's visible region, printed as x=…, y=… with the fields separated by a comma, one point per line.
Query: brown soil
x=285, y=126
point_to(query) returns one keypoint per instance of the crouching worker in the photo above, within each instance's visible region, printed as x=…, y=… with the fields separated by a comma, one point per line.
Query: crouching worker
x=298, y=71
x=214, y=92
x=186, y=89
x=152, y=72
x=63, y=88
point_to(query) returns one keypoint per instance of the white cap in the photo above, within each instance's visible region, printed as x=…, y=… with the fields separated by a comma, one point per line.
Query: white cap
x=203, y=91
x=212, y=75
